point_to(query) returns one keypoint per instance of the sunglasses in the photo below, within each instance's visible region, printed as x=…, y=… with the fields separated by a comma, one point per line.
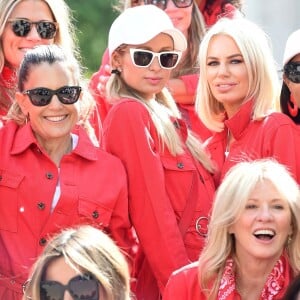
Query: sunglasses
x=144, y=58
x=80, y=287
x=162, y=4
x=292, y=71
x=42, y=96
x=22, y=27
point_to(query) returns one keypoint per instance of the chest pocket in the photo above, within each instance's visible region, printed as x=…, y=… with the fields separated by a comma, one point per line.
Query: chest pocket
x=9, y=191
x=94, y=213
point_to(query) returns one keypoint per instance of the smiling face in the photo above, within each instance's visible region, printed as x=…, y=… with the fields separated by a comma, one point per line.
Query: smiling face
x=227, y=74
x=14, y=46
x=150, y=80
x=263, y=228
x=51, y=123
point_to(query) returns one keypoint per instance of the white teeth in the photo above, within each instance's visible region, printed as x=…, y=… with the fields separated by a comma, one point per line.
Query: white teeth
x=55, y=119
x=264, y=232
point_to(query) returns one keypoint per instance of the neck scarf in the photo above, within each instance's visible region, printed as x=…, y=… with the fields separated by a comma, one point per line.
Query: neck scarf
x=276, y=282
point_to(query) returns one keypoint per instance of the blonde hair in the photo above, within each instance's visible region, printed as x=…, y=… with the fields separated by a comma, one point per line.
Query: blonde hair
x=230, y=200
x=160, y=109
x=51, y=54
x=256, y=50
x=86, y=249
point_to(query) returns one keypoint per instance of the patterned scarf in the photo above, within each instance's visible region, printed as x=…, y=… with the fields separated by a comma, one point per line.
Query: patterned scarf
x=276, y=282
x=8, y=81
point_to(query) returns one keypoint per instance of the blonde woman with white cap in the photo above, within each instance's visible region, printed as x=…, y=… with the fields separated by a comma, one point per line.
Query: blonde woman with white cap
x=170, y=185
x=290, y=91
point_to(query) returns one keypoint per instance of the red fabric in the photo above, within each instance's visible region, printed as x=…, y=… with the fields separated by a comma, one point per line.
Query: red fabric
x=214, y=12
x=188, y=110
x=93, y=191
x=8, y=82
x=103, y=106
x=159, y=185
x=275, y=136
x=184, y=283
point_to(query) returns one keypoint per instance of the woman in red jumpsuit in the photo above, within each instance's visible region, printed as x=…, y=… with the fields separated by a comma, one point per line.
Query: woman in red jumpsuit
x=170, y=184
x=52, y=176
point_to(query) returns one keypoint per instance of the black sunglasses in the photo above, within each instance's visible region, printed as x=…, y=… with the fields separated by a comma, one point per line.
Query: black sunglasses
x=292, y=71
x=22, y=27
x=163, y=3
x=144, y=58
x=42, y=96
x=80, y=287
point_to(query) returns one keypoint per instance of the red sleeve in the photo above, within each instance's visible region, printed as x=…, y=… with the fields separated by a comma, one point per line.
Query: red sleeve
x=129, y=134
x=190, y=82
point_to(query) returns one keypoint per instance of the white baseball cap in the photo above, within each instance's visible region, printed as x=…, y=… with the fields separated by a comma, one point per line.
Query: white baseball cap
x=292, y=46
x=139, y=24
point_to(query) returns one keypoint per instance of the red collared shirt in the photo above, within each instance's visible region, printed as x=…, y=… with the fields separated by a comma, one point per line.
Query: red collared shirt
x=274, y=136
x=160, y=185
x=93, y=191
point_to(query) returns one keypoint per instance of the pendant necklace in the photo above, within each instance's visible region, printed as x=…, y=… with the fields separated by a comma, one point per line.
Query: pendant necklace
x=227, y=144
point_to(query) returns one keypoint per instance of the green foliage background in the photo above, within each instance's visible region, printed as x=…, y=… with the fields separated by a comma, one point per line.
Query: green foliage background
x=92, y=19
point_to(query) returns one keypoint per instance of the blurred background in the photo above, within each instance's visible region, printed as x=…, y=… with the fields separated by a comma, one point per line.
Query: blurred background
x=94, y=17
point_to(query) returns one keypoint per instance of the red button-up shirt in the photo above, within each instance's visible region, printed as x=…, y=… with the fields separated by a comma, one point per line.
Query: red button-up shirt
x=93, y=188
x=274, y=136
x=160, y=185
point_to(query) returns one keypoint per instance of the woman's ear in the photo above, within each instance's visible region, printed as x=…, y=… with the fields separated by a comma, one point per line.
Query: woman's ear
x=286, y=80
x=116, y=60
x=22, y=101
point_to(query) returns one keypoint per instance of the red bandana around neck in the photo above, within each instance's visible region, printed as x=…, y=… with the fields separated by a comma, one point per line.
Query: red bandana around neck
x=275, y=283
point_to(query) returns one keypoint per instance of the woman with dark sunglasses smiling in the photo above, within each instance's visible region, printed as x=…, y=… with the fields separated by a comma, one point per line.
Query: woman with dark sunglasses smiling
x=169, y=179
x=79, y=263
x=290, y=91
x=25, y=24
x=52, y=174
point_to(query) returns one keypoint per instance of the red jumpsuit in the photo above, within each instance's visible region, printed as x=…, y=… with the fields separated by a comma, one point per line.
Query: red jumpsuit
x=93, y=191
x=160, y=186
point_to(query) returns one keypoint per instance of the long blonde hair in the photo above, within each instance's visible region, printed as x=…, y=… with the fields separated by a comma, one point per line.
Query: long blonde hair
x=256, y=50
x=161, y=109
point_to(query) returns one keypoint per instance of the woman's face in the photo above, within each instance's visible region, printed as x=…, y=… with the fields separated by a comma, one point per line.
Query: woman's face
x=14, y=46
x=294, y=87
x=59, y=274
x=149, y=80
x=227, y=74
x=52, y=123
x=262, y=230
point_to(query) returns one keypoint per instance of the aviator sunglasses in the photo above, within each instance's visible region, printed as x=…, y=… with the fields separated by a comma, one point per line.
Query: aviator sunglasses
x=292, y=71
x=80, y=287
x=22, y=27
x=144, y=58
x=42, y=96
x=162, y=4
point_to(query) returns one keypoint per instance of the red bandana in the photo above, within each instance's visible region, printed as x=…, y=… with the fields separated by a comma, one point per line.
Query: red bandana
x=275, y=283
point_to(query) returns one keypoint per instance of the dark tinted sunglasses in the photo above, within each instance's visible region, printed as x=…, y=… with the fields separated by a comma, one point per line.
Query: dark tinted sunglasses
x=80, y=287
x=292, y=71
x=144, y=58
x=163, y=3
x=42, y=96
x=22, y=27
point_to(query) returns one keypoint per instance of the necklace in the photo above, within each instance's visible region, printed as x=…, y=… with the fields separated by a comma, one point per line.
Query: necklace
x=227, y=144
